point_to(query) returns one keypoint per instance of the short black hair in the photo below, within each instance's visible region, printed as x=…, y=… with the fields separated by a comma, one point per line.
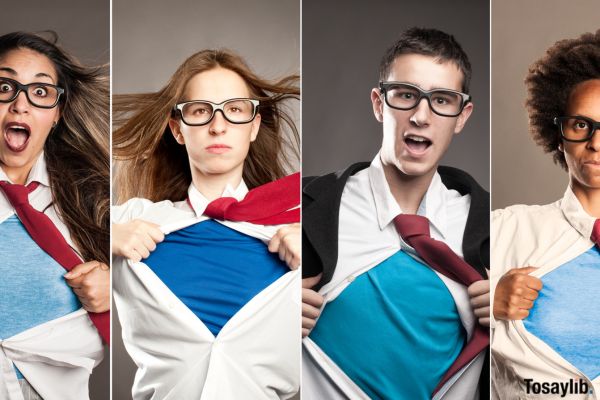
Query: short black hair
x=428, y=42
x=550, y=82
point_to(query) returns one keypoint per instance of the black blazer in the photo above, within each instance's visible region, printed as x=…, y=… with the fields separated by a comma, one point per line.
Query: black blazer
x=321, y=198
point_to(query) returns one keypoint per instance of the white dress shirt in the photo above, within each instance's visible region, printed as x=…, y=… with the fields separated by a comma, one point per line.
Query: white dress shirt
x=56, y=357
x=367, y=237
x=546, y=237
x=256, y=355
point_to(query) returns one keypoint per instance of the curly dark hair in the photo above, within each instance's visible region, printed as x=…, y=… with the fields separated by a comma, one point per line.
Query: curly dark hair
x=550, y=82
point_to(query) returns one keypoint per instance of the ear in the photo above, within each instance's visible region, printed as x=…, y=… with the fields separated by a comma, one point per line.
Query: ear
x=377, y=104
x=255, y=127
x=462, y=118
x=176, y=130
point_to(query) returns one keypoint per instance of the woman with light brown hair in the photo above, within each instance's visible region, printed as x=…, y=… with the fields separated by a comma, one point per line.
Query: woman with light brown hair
x=54, y=207
x=213, y=310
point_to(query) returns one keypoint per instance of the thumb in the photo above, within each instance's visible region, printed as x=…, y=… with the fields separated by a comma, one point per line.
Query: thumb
x=81, y=269
x=524, y=270
x=308, y=283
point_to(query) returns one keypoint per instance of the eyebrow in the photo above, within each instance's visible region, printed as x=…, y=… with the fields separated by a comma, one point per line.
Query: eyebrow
x=38, y=75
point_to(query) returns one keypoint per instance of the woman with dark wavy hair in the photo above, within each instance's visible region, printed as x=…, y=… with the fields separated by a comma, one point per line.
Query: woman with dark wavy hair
x=54, y=216
x=545, y=258
x=212, y=312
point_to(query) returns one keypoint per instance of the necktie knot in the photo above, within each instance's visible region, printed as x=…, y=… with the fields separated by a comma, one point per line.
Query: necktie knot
x=596, y=233
x=16, y=194
x=409, y=226
x=217, y=208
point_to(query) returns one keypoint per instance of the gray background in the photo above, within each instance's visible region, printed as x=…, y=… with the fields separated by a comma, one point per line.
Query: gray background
x=151, y=40
x=341, y=50
x=521, y=32
x=83, y=29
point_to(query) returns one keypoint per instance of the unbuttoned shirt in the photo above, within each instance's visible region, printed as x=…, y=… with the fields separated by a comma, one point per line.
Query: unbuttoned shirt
x=255, y=355
x=368, y=237
x=56, y=357
x=545, y=347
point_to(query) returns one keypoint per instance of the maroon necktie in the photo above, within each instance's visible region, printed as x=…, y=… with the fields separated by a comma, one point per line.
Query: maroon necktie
x=269, y=204
x=596, y=233
x=48, y=237
x=414, y=229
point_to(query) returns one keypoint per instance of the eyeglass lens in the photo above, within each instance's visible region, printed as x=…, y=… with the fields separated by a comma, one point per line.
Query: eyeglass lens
x=406, y=97
x=200, y=112
x=38, y=94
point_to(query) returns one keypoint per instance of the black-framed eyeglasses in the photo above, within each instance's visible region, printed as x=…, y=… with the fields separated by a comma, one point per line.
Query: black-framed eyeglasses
x=39, y=94
x=405, y=96
x=201, y=112
x=576, y=128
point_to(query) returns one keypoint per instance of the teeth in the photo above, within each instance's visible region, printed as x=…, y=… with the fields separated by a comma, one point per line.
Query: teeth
x=417, y=139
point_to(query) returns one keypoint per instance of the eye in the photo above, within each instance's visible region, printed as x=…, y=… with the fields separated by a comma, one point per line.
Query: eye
x=40, y=91
x=5, y=87
x=580, y=125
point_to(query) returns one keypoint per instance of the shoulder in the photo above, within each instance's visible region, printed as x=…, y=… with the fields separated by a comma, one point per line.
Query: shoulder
x=315, y=185
x=461, y=181
x=138, y=208
x=521, y=219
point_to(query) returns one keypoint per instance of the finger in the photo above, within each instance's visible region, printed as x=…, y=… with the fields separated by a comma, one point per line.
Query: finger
x=311, y=297
x=478, y=288
x=75, y=282
x=79, y=292
x=305, y=332
x=484, y=322
x=482, y=312
x=309, y=311
x=156, y=234
x=81, y=269
x=142, y=251
x=148, y=242
x=525, y=304
x=282, y=253
x=274, y=243
x=308, y=323
x=530, y=294
x=534, y=283
x=311, y=281
x=480, y=301
x=134, y=256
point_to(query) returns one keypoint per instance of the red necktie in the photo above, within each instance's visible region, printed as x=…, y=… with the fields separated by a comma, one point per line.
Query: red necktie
x=269, y=204
x=596, y=232
x=48, y=237
x=414, y=229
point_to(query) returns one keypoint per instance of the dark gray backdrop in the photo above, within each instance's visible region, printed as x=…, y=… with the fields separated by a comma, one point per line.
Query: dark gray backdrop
x=83, y=29
x=152, y=38
x=342, y=44
x=521, y=172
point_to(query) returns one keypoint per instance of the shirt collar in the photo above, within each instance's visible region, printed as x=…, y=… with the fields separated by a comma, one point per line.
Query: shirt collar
x=576, y=215
x=38, y=173
x=433, y=205
x=199, y=202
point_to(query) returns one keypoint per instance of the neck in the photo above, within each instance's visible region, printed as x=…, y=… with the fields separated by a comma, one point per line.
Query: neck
x=212, y=186
x=17, y=175
x=588, y=197
x=408, y=191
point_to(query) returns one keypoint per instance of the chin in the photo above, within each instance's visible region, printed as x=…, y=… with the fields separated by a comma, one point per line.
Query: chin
x=414, y=169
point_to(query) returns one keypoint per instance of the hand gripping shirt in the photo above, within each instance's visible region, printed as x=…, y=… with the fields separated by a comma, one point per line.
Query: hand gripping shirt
x=52, y=343
x=557, y=344
x=203, y=352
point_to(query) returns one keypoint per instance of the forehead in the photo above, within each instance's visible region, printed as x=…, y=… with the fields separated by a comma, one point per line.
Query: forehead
x=426, y=72
x=216, y=85
x=584, y=99
x=27, y=66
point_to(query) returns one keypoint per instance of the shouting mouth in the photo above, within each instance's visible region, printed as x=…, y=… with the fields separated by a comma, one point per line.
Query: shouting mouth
x=417, y=144
x=16, y=136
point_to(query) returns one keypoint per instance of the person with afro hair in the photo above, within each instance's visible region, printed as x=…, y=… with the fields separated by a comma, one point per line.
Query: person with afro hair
x=545, y=258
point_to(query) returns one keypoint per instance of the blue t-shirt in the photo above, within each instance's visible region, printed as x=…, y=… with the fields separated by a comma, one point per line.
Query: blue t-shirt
x=214, y=270
x=32, y=284
x=395, y=330
x=566, y=315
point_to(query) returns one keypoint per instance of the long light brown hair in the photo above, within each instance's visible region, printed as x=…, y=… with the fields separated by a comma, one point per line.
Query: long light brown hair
x=154, y=166
x=76, y=151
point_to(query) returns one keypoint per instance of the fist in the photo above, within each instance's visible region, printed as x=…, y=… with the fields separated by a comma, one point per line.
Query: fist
x=516, y=293
x=135, y=239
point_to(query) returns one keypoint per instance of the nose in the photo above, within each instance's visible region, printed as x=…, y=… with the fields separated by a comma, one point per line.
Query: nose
x=20, y=104
x=421, y=113
x=218, y=125
x=594, y=142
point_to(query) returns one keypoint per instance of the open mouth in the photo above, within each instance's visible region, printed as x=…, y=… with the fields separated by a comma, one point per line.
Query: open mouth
x=16, y=136
x=417, y=144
